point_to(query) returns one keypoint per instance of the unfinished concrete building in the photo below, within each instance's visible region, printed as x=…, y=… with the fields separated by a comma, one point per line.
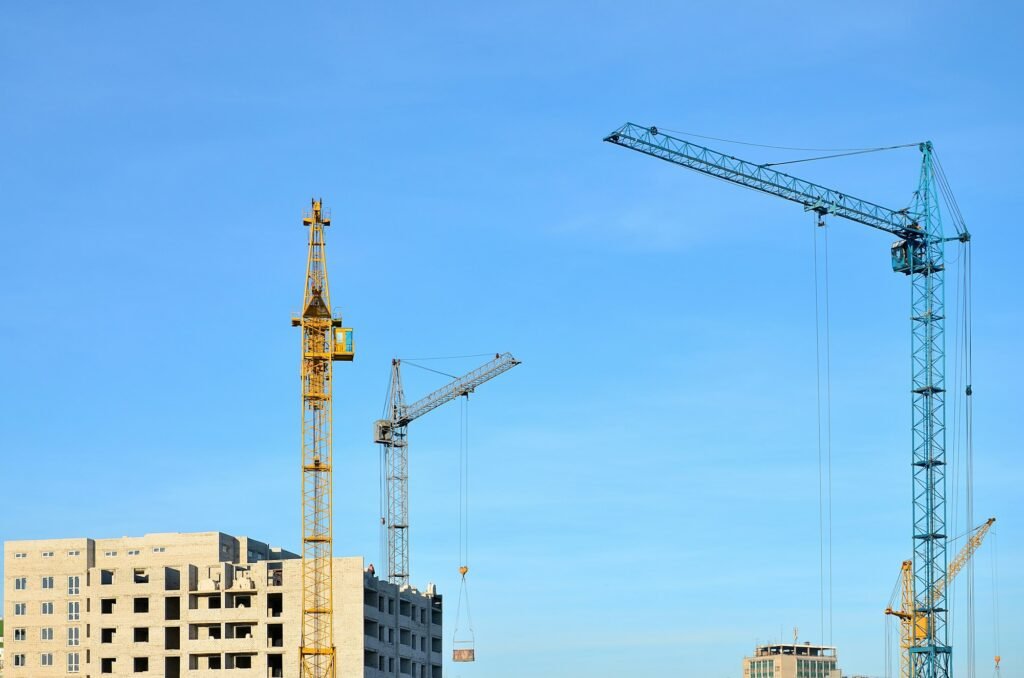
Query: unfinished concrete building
x=792, y=660
x=196, y=605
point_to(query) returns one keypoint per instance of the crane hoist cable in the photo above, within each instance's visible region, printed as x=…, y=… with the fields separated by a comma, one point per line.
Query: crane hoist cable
x=463, y=640
x=995, y=602
x=823, y=340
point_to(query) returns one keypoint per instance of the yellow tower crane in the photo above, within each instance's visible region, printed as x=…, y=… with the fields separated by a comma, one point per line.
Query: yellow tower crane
x=324, y=341
x=914, y=626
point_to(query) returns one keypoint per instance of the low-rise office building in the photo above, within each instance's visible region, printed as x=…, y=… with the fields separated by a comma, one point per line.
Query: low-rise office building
x=792, y=660
x=198, y=604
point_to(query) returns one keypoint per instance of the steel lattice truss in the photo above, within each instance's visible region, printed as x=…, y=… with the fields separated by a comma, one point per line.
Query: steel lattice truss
x=393, y=435
x=920, y=255
x=317, y=652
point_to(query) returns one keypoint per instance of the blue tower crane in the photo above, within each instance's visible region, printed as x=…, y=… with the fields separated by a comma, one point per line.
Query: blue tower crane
x=919, y=254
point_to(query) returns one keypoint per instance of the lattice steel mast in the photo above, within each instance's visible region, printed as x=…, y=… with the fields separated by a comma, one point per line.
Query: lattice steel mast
x=919, y=254
x=323, y=341
x=393, y=434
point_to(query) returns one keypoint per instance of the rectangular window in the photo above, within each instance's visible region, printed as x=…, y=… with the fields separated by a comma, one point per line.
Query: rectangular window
x=72, y=662
x=110, y=554
x=72, y=554
x=21, y=555
x=46, y=659
x=159, y=549
x=133, y=552
x=74, y=585
x=19, y=634
x=46, y=633
x=74, y=611
x=21, y=583
x=19, y=609
x=47, y=554
x=73, y=636
x=47, y=582
x=47, y=608
x=19, y=660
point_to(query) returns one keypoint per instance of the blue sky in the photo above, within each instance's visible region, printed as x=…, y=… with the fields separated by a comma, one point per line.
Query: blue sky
x=645, y=484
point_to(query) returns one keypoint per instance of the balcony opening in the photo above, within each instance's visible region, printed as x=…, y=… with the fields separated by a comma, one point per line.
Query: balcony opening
x=238, y=630
x=172, y=667
x=107, y=605
x=240, y=601
x=172, y=579
x=107, y=635
x=275, y=665
x=107, y=665
x=106, y=577
x=214, y=603
x=140, y=576
x=239, y=661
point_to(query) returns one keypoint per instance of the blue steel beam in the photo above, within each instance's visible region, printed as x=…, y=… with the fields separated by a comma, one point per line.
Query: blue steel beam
x=651, y=141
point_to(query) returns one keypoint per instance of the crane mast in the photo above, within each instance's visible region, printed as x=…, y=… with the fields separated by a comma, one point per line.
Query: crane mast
x=919, y=254
x=393, y=435
x=323, y=342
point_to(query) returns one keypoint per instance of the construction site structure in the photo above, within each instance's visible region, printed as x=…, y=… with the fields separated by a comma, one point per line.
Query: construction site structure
x=201, y=604
x=792, y=660
x=324, y=341
x=914, y=627
x=393, y=435
x=919, y=254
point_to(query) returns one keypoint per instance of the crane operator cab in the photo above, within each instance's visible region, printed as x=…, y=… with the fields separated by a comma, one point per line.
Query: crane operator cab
x=342, y=347
x=910, y=256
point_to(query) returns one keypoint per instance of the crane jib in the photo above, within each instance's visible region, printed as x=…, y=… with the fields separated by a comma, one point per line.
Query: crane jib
x=760, y=178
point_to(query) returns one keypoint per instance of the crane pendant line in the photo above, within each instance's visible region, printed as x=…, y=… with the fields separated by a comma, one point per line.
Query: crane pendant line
x=393, y=435
x=919, y=254
x=323, y=342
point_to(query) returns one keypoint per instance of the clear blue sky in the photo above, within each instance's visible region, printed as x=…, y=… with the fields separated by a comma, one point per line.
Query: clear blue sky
x=645, y=484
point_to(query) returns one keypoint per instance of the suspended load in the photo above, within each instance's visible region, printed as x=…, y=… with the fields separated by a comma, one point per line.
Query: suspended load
x=463, y=641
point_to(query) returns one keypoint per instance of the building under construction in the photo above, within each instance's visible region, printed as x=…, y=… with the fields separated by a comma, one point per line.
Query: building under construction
x=201, y=603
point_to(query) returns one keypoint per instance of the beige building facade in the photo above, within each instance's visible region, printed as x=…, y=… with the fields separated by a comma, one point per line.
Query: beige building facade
x=203, y=605
x=792, y=660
